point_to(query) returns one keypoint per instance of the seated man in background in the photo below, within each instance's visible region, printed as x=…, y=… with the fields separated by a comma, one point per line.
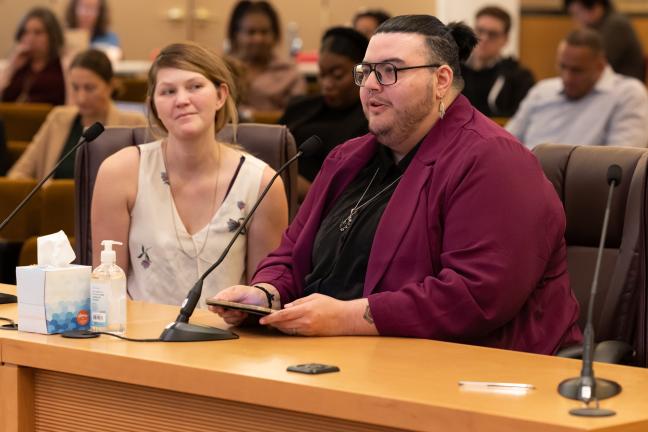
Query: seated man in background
x=495, y=85
x=589, y=104
x=620, y=42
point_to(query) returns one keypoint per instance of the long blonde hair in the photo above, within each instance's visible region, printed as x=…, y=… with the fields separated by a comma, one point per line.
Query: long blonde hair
x=193, y=57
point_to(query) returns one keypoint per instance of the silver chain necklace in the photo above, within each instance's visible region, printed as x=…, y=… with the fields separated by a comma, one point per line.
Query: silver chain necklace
x=348, y=221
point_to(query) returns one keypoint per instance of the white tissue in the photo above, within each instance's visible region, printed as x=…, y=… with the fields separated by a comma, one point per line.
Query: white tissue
x=54, y=250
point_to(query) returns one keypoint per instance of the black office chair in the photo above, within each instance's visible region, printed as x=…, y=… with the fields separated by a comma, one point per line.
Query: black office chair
x=273, y=144
x=579, y=174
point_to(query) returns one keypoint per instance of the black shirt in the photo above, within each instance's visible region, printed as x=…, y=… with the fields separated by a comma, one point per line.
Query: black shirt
x=340, y=258
x=507, y=79
x=66, y=169
x=307, y=116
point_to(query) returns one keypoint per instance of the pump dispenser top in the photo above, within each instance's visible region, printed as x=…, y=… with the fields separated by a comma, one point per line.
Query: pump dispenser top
x=108, y=255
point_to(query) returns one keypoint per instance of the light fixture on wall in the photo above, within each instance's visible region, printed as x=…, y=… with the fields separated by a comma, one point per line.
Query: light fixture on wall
x=175, y=14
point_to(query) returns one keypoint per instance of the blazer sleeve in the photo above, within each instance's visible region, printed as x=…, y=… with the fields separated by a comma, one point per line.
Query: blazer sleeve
x=500, y=224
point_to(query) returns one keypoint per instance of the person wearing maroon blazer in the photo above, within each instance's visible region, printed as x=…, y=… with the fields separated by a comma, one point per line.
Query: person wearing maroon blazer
x=437, y=224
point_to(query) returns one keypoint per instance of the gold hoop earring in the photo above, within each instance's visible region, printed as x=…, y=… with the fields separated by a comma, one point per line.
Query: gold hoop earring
x=442, y=109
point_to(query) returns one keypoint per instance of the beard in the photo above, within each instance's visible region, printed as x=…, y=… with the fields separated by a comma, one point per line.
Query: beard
x=406, y=120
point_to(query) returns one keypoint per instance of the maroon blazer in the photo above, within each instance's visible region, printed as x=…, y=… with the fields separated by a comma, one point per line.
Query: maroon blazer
x=470, y=247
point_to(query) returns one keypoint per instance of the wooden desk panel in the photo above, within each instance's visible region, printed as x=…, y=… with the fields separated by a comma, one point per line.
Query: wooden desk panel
x=390, y=382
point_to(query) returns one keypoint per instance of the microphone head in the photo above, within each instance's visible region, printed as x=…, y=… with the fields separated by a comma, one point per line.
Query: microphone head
x=93, y=132
x=310, y=146
x=614, y=175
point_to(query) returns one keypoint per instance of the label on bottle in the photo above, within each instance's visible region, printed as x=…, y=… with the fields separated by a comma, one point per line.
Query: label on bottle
x=99, y=303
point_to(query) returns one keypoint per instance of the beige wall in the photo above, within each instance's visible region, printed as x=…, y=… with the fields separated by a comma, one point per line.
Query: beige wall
x=143, y=25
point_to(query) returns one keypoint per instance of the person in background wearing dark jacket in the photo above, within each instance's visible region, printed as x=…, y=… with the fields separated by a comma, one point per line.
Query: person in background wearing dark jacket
x=620, y=42
x=336, y=114
x=495, y=85
x=34, y=72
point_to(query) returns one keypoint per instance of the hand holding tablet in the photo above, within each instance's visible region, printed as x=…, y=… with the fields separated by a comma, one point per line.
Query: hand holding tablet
x=251, y=309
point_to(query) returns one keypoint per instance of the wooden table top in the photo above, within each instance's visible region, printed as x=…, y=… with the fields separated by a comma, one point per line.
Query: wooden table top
x=396, y=382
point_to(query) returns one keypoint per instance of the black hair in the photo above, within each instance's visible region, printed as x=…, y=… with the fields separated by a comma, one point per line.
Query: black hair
x=378, y=14
x=52, y=28
x=589, y=4
x=497, y=13
x=345, y=41
x=246, y=7
x=101, y=25
x=585, y=37
x=450, y=44
x=95, y=61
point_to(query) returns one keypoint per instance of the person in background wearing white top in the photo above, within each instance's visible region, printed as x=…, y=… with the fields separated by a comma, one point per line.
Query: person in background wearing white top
x=176, y=202
x=589, y=104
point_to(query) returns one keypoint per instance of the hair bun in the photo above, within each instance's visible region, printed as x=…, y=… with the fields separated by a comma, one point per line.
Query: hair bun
x=465, y=38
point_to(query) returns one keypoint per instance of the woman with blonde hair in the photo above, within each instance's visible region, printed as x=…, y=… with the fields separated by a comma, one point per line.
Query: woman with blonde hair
x=176, y=202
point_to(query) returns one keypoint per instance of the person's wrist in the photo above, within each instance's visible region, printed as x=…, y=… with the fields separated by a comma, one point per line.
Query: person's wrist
x=267, y=294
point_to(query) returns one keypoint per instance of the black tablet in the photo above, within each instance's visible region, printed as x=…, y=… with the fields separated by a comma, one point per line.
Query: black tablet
x=252, y=309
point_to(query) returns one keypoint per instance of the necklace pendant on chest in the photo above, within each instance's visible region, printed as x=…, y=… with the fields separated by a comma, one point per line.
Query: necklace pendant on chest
x=346, y=223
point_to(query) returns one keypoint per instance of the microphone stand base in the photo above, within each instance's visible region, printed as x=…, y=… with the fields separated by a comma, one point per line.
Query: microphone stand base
x=592, y=412
x=185, y=332
x=604, y=388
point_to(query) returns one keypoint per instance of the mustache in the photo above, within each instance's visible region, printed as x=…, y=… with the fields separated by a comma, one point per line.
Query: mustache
x=377, y=100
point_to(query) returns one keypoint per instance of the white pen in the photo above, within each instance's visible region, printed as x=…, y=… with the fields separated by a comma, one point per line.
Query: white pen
x=489, y=384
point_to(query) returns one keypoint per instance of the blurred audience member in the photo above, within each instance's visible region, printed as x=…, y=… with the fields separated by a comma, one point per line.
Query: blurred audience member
x=34, y=72
x=589, y=104
x=367, y=21
x=336, y=114
x=620, y=42
x=91, y=16
x=495, y=84
x=91, y=84
x=254, y=33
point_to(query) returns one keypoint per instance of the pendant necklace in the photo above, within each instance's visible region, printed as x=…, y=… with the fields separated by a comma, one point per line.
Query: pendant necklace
x=198, y=251
x=348, y=221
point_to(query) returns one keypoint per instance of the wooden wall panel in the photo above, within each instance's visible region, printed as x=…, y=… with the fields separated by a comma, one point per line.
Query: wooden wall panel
x=64, y=402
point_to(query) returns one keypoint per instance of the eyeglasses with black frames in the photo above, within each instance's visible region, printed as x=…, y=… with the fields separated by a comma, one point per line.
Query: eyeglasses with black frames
x=386, y=73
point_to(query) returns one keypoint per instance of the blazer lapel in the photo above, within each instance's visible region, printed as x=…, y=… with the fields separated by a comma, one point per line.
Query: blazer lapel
x=398, y=215
x=395, y=221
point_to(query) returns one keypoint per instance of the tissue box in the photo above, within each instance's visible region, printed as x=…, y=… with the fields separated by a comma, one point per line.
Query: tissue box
x=53, y=299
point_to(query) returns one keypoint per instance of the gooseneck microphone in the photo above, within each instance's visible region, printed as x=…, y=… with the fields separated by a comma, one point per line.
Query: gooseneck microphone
x=586, y=387
x=180, y=330
x=88, y=135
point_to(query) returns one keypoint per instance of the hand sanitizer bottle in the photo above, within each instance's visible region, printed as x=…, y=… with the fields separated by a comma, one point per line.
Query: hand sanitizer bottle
x=108, y=293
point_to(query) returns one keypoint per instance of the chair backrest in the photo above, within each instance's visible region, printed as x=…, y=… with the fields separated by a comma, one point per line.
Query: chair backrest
x=26, y=223
x=22, y=120
x=579, y=174
x=131, y=89
x=273, y=144
x=57, y=213
x=4, y=154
